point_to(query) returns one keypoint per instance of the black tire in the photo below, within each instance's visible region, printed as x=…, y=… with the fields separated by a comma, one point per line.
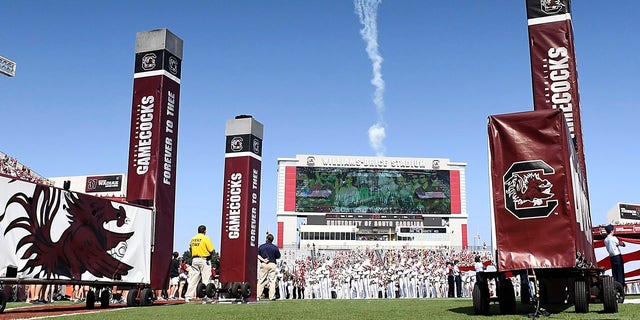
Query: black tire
x=235, y=289
x=212, y=291
x=581, y=297
x=3, y=302
x=619, y=292
x=105, y=297
x=146, y=297
x=201, y=290
x=480, y=297
x=245, y=289
x=91, y=299
x=132, y=298
x=609, y=295
x=507, y=297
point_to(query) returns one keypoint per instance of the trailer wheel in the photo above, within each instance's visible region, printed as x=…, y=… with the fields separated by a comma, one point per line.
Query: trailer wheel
x=132, y=298
x=581, y=297
x=3, y=302
x=201, y=290
x=245, y=288
x=480, y=297
x=146, y=297
x=507, y=297
x=609, y=295
x=105, y=296
x=619, y=292
x=235, y=289
x=91, y=299
x=211, y=290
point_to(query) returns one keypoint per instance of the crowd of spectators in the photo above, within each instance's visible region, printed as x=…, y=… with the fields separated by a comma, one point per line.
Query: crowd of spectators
x=369, y=274
x=11, y=167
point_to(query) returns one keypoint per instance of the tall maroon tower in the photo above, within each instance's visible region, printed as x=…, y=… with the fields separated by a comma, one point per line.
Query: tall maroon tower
x=241, y=201
x=153, y=146
x=553, y=65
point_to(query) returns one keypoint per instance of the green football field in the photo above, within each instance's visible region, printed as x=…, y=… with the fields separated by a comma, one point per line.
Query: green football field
x=348, y=309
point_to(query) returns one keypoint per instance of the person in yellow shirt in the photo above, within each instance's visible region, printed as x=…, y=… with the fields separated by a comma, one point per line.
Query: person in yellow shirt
x=201, y=248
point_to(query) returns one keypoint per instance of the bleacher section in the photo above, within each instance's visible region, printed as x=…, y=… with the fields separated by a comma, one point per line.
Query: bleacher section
x=12, y=167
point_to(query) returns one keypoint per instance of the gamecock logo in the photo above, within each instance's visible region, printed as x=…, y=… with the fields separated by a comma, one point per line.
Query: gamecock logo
x=236, y=144
x=63, y=234
x=149, y=61
x=551, y=6
x=527, y=193
x=256, y=146
x=173, y=65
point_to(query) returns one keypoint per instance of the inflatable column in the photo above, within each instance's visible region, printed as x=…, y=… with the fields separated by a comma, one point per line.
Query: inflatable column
x=153, y=146
x=553, y=65
x=241, y=202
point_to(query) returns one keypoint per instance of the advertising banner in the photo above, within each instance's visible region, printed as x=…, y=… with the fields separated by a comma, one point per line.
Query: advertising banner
x=240, y=219
x=629, y=211
x=51, y=233
x=537, y=193
x=553, y=64
x=112, y=183
x=144, y=144
x=153, y=144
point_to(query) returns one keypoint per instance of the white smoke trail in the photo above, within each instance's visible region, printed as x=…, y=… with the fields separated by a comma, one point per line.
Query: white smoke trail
x=367, y=11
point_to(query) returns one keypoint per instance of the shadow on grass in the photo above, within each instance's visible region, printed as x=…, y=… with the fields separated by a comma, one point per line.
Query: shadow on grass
x=521, y=309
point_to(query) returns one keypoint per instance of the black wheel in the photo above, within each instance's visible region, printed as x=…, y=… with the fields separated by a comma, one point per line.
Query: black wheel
x=3, y=302
x=211, y=290
x=132, y=298
x=146, y=297
x=235, y=289
x=480, y=297
x=609, y=295
x=581, y=297
x=91, y=299
x=201, y=290
x=245, y=289
x=619, y=292
x=105, y=296
x=507, y=297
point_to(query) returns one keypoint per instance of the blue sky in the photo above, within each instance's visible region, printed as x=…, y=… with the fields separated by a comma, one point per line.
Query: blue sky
x=301, y=69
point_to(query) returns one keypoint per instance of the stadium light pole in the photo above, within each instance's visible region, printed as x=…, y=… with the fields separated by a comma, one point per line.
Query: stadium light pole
x=7, y=67
x=476, y=241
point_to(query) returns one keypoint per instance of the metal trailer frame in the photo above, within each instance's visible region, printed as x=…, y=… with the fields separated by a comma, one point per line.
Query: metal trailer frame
x=577, y=286
x=100, y=291
x=140, y=292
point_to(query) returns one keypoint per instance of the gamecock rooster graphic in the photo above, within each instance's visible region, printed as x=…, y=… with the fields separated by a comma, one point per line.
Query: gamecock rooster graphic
x=528, y=189
x=66, y=235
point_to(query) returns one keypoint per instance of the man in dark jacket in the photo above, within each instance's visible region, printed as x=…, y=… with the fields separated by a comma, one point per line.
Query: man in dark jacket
x=268, y=253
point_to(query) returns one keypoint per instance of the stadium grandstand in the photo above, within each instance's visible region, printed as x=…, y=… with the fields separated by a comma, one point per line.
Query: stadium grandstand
x=10, y=166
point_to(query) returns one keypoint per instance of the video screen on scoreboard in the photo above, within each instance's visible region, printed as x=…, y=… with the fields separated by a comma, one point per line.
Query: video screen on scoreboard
x=322, y=189
x=629, y=211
